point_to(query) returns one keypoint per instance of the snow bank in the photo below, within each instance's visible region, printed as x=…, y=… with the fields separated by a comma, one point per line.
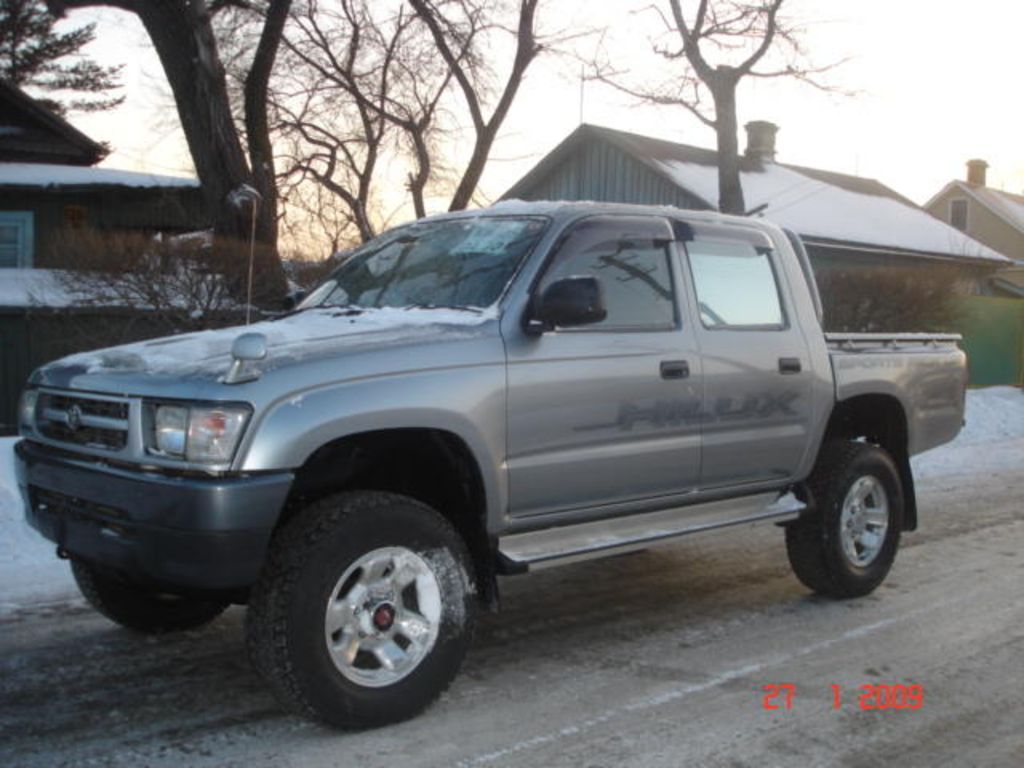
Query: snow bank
x=31, y=573
x=992, y=439
x=29, y=569
x=995, y=413
x=47, y=175
x=814, y=208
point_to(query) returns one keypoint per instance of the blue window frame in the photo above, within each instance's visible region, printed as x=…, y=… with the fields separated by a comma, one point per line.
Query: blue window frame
x=16, y=238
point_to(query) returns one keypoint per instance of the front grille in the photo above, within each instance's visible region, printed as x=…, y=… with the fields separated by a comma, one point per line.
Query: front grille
x=91, y=422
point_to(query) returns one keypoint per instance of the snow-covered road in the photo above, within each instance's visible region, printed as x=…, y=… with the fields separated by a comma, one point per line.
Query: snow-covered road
x=655, y=659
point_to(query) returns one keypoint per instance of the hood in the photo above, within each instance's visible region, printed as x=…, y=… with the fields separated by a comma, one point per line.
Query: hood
x=304, y=337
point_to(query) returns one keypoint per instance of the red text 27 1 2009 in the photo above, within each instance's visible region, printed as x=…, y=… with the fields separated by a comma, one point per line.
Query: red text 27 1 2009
x=867, y=697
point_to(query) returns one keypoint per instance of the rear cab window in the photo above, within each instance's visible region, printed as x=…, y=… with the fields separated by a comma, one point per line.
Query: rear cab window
x=736, y=285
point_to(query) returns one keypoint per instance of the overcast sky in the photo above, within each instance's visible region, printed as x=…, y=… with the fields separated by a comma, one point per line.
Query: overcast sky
x=936, y=82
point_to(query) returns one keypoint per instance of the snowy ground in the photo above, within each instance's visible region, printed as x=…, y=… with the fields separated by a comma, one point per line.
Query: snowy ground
x=992, y=440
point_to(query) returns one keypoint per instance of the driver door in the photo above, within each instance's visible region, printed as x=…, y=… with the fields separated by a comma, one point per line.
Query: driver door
x=607, y=413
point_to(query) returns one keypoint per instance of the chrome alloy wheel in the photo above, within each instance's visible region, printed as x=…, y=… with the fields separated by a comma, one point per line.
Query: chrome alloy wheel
x=383, y=616
x=864, y=521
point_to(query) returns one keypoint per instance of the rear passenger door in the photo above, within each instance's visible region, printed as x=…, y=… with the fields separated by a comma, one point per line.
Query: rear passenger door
x=608, y=413
x=757, y=379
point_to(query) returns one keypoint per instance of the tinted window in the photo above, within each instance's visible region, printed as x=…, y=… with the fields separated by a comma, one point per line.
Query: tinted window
x=629, y=255
x=735, y=285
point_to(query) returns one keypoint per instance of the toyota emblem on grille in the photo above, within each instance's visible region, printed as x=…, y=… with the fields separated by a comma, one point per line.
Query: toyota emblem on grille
x=74, y=417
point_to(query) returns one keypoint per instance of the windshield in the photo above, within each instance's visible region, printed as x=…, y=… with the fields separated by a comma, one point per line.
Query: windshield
x=461, y=263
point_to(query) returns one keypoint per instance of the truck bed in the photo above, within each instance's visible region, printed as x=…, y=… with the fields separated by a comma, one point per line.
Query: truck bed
x=926, y=372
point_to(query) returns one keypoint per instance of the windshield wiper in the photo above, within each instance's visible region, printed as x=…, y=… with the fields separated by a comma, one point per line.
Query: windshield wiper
x=341, y=310
x=344, y=310
x=460, y=307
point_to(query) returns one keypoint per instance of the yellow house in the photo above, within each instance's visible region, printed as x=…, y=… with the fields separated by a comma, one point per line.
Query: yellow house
x=990, y=216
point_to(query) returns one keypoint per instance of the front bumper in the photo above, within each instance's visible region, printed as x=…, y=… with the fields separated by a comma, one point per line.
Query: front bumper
x=183, y=533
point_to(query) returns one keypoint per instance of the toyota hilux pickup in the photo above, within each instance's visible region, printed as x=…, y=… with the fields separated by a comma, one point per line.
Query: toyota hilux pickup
x=469, y=396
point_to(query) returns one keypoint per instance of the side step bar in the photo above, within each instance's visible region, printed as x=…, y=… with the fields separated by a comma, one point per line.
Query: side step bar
x=532, y=550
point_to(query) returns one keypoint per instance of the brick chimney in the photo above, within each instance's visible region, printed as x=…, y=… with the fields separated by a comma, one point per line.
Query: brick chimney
x=976, y=172
x=761, y=140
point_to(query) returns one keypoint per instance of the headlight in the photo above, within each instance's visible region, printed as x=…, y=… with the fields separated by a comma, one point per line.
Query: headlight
x=170, y=428
x=213, y=433
x=27, y=409
x=203, y=434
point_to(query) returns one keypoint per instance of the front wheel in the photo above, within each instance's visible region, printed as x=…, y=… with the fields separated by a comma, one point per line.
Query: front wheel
x=364, y=611
x=846, y=545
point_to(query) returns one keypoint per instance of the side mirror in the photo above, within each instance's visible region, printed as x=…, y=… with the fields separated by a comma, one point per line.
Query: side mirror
x=568, y=302
x=292, y=300
x=247, y=348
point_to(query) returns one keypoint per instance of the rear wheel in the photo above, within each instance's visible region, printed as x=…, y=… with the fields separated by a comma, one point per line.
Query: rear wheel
x=364, y=611
x=846, y=545
x=139, y=608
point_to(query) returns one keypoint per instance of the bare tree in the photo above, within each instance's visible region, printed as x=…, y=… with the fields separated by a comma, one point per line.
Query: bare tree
x=380, y=62
x=747, y=35
x=182, y=34
x=453, y=24
x=414, y=80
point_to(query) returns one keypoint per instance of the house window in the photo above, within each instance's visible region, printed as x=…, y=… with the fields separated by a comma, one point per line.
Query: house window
x=75, y=216
x=958, y=214
x=15, y=239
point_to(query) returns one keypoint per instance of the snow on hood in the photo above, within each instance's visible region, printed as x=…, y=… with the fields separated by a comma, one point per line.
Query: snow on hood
x=291, y=338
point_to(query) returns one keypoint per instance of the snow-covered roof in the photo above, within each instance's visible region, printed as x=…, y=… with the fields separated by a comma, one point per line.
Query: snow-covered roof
x=818, y=205
x=817, y=209
x=46, y=175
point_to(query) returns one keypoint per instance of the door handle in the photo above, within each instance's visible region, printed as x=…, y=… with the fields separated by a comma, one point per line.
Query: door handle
x=789, y=365
x=675, y=369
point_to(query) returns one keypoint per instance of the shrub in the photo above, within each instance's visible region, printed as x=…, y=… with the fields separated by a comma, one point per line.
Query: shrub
x=891, y=299
x=178, y=283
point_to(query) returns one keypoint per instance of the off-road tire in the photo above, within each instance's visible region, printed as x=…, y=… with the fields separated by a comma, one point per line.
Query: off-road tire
x=285, y=623
x=139, y=608
x=814, y=543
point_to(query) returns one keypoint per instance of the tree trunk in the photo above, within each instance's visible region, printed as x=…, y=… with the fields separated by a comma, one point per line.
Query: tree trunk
x=182, y=35
x=184, y=41
x=474, y=170
x=730, y=191
x=257, y=126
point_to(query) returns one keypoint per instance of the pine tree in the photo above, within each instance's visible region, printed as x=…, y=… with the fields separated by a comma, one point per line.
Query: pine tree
x=35, y=56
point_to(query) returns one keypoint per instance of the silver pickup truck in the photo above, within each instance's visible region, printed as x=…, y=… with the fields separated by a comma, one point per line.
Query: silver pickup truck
x=474, y=395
